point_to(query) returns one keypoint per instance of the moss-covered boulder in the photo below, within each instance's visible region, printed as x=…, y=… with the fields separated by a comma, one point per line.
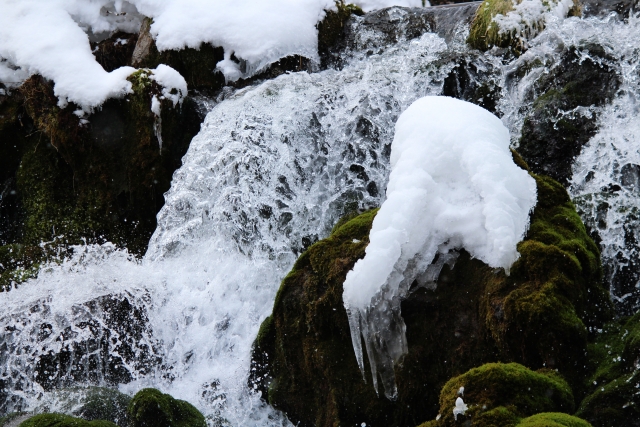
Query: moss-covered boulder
x=614, y=387
x=555, y=131
x=553, y=419
x=304, y=364
x=60, y=420
x=151, y=408
x=501, y=394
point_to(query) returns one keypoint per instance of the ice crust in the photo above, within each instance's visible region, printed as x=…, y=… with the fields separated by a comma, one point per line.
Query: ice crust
x=453, y=185
x=51, y=37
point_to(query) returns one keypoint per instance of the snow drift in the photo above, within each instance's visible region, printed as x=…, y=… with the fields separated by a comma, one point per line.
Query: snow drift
x=453, y=185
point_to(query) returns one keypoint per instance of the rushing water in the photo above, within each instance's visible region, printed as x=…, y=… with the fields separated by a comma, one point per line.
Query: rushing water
x=273, y=168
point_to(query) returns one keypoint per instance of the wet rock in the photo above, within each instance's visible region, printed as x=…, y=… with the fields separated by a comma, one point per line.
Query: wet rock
x=473, y=83
x=104, y=344
x=378, y=30
x=303, y=360
x=101, y=403
x=602, y=8
x=564, y=115
x=151, y=408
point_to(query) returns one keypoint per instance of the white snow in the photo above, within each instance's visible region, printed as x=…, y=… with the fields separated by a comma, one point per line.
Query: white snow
x=460, y=408
x=453, y=184
x=51, y=37
x=174, y=86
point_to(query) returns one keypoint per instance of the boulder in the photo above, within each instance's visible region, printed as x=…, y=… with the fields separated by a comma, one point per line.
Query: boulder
x=60, y=420
x=303, y=361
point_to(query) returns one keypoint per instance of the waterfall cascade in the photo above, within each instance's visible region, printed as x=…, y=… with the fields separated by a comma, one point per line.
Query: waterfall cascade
x=273, y=168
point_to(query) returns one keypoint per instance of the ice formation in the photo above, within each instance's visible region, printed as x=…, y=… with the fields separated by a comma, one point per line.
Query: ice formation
x=453, y=184
x=52, y=38
x=460, y=408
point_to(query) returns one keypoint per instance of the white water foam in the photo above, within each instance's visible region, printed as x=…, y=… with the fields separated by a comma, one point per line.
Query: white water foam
x=271, y=171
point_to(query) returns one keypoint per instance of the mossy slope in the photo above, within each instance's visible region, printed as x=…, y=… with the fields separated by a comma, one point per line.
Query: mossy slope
x=303, y=357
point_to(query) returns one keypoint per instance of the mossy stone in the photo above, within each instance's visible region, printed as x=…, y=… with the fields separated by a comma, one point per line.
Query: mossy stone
x=331, y=29
x=60, y=420
x=553, y=419
x=503, y=392
x=303, y=361
x=101, y=403
x=151, y=408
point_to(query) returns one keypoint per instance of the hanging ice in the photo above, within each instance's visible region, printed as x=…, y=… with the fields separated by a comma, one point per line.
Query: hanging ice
x=453, y=184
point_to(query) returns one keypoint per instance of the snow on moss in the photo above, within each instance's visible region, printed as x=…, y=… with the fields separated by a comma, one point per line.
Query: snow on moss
x=453, y=185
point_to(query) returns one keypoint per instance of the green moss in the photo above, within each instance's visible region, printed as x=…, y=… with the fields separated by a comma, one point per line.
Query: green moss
x=60, y=420
x=511, y=387
x=484, y=33
x=151, y=408
x=553, y=419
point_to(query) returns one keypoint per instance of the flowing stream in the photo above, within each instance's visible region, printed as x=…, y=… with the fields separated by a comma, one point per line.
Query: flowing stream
x=271, y=171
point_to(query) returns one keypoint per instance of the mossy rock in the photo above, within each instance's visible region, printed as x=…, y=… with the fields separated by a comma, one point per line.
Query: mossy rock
x=151, y=408
x=101, y=403
x=303, y=358
x=613, y=389
x=500, y=394
x=60, y=420
x=553, y=419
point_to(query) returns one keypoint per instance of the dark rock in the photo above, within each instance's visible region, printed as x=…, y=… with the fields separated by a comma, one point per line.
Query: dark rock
x=602, y=8
x=116, y=51
x=151, y=408
x=554, y=131
x=303, y=360
x=469, y=82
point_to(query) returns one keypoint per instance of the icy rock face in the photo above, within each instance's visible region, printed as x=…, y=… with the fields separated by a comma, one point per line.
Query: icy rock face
x=453, y=185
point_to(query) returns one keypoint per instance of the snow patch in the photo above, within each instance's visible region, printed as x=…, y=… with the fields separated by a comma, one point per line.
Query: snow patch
x=51, y=37
x=460, y=408
x=453, y=185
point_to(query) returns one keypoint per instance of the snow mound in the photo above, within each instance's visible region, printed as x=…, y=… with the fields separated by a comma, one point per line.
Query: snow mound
x=51, y=37
x=453, y=185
